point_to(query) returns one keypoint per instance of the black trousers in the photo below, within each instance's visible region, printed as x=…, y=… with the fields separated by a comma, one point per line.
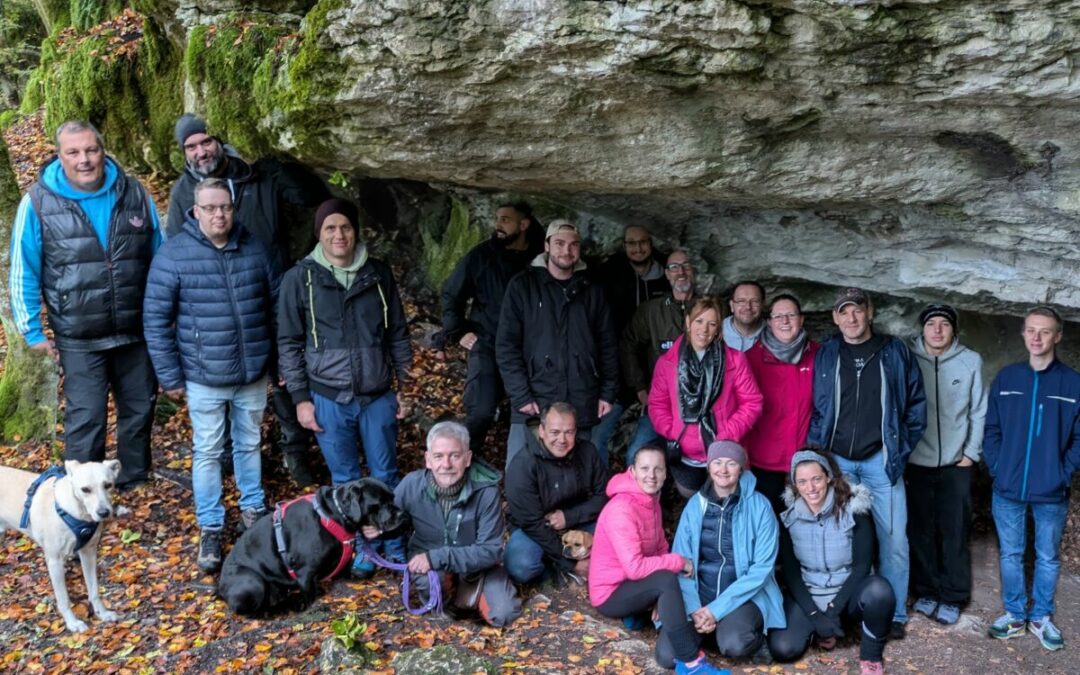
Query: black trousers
x=88, y=378
x=483, y=393
x=939, y=521
x=662, y=590
x=871, y=607
x=294, y=438
x=771, y=484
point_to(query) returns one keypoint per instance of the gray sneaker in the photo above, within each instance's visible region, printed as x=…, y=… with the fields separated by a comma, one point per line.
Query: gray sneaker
x=248, y=518
x=209, y=560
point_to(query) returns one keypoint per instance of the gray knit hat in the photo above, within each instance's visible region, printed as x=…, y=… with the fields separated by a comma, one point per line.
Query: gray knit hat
x=727, y=450
x=809, y=456
x=188, y=125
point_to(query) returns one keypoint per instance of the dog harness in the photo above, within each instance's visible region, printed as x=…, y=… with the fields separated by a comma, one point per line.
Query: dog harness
x=346, y=538
x=82, y=529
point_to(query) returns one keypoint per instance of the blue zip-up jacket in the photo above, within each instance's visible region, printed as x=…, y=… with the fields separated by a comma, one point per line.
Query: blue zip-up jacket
x=26, y=247
x=1032, y=439
x=208, y=315
x=903, y=402
x=756, y=539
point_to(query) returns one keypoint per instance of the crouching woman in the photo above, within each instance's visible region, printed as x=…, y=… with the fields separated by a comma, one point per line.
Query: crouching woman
x=632, y=571
x=728, y=531
x=826, y=546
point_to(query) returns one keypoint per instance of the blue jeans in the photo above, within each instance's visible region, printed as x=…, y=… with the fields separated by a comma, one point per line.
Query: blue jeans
x=605, y=429
x=524, y=559
x=1010, y=519
x=889, y=506
x=207, y=409
x=644, y=433
x=343, y=424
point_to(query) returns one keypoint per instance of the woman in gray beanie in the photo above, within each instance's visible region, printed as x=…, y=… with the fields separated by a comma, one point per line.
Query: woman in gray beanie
x=826, y=546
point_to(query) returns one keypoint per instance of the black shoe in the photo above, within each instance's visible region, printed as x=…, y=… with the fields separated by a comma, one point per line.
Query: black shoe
x=209, y=551
x=898, y=631
x=296, y=463
x=763, y=656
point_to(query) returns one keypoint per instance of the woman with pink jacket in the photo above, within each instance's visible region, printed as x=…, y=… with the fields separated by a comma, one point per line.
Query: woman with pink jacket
x=702, y=391
x=631, y=571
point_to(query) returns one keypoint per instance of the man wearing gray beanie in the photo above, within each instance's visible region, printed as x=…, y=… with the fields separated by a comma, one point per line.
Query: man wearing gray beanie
x=940, y=469
x=258, y=193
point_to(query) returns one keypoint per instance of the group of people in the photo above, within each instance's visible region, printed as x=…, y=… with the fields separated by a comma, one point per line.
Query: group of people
x=790, y=454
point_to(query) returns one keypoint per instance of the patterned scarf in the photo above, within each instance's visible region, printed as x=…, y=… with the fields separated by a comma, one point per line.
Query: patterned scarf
x=700, y=381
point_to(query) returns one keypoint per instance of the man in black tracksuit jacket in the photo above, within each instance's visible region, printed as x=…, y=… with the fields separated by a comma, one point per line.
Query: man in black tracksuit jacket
x=481, y=276
x=258, y=193
x=557, y=484
x=555, y=340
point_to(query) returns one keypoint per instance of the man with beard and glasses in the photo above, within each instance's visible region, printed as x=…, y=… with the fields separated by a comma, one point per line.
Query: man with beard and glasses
x=258, y=191
x=555, y=340
x=481, y=276
x=651, y=332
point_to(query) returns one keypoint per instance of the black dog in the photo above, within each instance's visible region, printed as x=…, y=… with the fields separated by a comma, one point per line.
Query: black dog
x=255, y=578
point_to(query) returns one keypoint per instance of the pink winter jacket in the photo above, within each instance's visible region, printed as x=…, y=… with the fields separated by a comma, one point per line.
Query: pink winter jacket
x=788, y=390
x=736, y=408
x=629, y=541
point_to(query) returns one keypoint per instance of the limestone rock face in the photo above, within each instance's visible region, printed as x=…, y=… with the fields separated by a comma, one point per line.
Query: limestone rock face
x=924, y=150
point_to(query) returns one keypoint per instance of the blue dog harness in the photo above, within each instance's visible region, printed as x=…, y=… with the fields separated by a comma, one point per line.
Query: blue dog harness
x=83, y=530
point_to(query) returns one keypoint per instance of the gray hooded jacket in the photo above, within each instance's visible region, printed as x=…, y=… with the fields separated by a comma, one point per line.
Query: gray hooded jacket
x=955, y=406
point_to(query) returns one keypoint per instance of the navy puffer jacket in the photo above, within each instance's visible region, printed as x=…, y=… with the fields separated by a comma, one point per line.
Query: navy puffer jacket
x=208, y=312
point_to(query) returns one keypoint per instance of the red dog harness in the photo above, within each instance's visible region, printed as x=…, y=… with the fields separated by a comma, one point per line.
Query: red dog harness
x=346, y=538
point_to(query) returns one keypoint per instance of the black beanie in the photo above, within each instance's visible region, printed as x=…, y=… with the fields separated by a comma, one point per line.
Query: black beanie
x=188, y=125
x=332, y=206
x=939, y=310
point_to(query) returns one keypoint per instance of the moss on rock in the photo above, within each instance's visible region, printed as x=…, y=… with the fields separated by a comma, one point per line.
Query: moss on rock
x=444, y=246
x=132, y=98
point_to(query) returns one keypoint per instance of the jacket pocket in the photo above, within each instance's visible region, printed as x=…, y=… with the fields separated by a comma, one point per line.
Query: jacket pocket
x=331, y=368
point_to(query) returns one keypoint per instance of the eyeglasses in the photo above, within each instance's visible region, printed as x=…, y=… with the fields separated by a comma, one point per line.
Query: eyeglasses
x=675, y=267
x=783, y=318
x=636, y=242
x=744, y=301
x=216, y=208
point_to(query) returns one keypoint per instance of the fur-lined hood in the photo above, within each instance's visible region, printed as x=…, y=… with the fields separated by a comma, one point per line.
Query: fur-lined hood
x=859, y=504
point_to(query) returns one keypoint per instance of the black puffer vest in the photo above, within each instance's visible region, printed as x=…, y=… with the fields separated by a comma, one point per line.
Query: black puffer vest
x=94, y=297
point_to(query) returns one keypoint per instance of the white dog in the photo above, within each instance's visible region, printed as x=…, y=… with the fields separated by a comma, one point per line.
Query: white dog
x=83, y=494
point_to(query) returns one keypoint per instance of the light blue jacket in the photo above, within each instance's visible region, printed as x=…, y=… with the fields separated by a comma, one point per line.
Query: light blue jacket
x=756, y=539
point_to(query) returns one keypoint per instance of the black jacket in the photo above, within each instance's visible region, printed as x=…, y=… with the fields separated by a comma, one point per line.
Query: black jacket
x=556, y=343
x=481, y=276
x=259, y=191
x=341, y=343
x=538, y=483
x=626, y=291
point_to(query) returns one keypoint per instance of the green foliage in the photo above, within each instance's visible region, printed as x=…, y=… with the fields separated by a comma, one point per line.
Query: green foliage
x=349, y=631
x=133, y=101
x=21, y=31
x=86, y=13
x=27, y=390
x=443, y=250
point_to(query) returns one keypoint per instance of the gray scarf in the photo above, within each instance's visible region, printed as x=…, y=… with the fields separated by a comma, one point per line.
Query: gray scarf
x=788, y=353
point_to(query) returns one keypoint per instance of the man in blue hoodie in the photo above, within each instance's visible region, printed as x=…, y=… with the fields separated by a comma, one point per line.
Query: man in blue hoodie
x=1032, y=448
x=83, y=238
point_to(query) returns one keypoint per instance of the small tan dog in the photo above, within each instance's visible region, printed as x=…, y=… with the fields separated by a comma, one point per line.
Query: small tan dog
x=577, y=544
x=83, y=494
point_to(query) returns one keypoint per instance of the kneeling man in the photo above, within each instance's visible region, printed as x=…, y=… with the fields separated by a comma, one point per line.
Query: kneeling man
x=555, y=484
x=457, y=527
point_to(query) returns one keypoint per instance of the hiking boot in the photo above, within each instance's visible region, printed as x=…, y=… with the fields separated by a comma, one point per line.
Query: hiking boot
x=248, y=518
x=1007, y=626
x=1047, y=632
x=297, y=465
x=947, y=614
x=209, y=560
x=699, y=666
x=898, y=631
x=925, y=606
x=871, y=668
x=363, y=567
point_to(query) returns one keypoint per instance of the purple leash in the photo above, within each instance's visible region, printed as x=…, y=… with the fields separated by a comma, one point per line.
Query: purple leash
x=434, y=600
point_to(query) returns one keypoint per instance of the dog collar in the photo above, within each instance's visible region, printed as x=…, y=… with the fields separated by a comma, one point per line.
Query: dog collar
x=82, y=529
